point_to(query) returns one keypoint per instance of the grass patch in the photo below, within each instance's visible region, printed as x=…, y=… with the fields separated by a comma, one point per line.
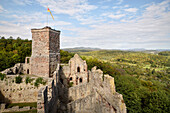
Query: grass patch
x=21, y=105
x=29, y=111
x=39, y=81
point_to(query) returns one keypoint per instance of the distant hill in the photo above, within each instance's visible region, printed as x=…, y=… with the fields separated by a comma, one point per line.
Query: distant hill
x=88, y=49
x=156, y=51
x=81, y=49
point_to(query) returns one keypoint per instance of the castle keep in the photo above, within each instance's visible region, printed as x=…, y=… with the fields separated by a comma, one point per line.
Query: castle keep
x=71, y=88
x=45, y=52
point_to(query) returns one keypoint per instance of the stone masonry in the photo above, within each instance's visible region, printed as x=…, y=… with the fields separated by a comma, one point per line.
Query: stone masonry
x=45, y=52
x=96, y=92
x=75, y=72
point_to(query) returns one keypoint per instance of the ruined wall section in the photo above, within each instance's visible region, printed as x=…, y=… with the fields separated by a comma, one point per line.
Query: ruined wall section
x=17, y=69
x=83, y=105
x=99, y=93
x=27, y=66
x=102, y=82
x=18, y=93
x=81, y=91
x=76, y=72
x=42, y=100
x=96, y=96
x=108, y=98
x=93, y=103
x=47, y=98
x=98, y=86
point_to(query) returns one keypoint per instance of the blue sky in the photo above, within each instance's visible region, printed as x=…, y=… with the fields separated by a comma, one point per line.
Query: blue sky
x=107, y=24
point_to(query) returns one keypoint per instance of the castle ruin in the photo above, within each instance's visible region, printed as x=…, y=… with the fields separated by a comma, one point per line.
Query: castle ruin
x=71, y=88
x=45, y=52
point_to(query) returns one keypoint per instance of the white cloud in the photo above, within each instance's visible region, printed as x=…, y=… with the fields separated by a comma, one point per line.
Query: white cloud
x=115, y=7
x=23, y=2
x=1, y=8
x=15, y=30
x=147, y=31
x=131, y=10
x=21, y=25
x=113, y=16
x=84, y=20
x=116, y=16
x=70, y=7
x=126, y=5
x=104, y=7
x=119, y=2
x=157, y=10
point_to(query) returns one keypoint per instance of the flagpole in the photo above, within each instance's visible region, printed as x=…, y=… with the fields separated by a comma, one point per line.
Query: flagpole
x=47, y=16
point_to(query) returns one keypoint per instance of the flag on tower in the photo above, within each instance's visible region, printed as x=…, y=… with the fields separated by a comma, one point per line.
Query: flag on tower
x=48, y=10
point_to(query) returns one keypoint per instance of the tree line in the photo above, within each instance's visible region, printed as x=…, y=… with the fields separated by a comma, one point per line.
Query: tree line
x=13, y=51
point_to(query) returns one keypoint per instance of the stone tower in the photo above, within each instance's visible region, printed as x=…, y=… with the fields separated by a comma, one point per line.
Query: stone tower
x=45, y=52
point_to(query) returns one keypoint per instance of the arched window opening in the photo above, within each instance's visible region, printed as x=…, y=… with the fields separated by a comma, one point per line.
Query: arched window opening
x=71, y=78
x=81, y=80
x=28, y=60
x=78, y=69
x=27, y=71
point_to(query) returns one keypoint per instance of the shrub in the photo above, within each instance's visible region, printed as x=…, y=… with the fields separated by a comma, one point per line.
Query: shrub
x=2, y=76
x=39, y=81
x=28, y=80
x=70, y=84
x=18, y=79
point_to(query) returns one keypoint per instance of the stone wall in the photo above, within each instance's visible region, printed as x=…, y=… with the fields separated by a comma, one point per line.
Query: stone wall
x=76, y=72
x=42, y=100
x=27, y=66
x=83, y=105
x=18, y=93
x=45, y=51
x=47, y=98
x=99, y=87
x=17, y=69
x=81, y=91
x=14, y=108
x=105, y=88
